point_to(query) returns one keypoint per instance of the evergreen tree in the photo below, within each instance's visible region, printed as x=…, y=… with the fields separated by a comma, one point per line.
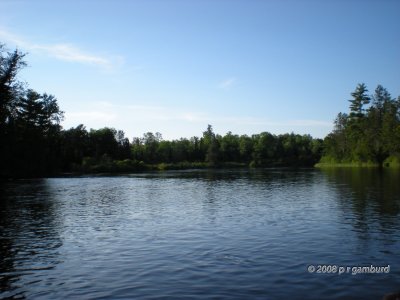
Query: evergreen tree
x=212, y=146
x=366, y=135
x=360, y=98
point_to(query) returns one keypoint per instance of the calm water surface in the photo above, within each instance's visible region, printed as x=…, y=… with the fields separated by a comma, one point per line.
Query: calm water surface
x=200, y=234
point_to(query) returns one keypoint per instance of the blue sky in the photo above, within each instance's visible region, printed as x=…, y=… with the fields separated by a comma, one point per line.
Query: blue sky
x=176, y=66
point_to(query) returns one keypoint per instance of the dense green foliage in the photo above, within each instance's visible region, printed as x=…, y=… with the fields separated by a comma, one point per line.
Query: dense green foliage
x=29, y=123
x=369, y=134
x=262, y=149
x=34, y=144
x=107, y=150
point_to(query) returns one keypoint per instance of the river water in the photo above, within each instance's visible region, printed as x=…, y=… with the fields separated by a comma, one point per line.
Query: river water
x=225, y=234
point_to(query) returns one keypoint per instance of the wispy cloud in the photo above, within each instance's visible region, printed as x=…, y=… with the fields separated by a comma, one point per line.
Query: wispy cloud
x=9, y=37
x=73, y=54
x=227, y=83
x=108, y=111
x=176, y=122
x=63, y=51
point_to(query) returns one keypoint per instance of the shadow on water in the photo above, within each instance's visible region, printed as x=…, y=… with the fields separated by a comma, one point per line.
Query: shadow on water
x=369, y=201
x=29, y=228
x=370, y=191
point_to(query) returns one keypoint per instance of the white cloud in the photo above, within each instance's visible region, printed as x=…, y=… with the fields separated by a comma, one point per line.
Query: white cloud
x=175, y=122
x=9, y=37
x=227, y=83
x=65, y=52
x=73, y=54
x=107, y=111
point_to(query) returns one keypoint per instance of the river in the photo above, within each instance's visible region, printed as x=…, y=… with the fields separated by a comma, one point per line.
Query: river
x=222, y=234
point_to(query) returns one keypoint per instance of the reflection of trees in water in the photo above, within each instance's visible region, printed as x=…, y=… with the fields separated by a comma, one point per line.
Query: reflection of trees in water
x=368, y=197
x=29, y=235
x=284, y=175
x=228, y=193
x=7, y=258
x=7, y=250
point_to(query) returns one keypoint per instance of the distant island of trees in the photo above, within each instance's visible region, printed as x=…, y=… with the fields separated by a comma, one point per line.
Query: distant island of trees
x=33, y=143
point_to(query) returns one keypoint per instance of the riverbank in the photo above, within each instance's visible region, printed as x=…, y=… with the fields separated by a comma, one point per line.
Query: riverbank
x=392, y=161
x=347, y=165
x=124, y=166
x=120, y=166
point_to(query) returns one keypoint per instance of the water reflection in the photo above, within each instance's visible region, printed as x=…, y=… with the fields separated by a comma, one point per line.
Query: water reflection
x=29, y=236
x=369, y=201
x=205, y=234
x=368, y=193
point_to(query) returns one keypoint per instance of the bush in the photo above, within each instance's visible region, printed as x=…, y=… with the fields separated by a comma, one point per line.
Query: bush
x=393, y=161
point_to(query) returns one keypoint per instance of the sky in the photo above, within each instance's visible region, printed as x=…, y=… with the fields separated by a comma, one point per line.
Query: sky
x=175, y=66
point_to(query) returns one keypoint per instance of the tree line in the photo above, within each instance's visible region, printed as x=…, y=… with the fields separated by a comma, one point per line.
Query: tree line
x=107, y=149
x=369, y=134
x=33, y=143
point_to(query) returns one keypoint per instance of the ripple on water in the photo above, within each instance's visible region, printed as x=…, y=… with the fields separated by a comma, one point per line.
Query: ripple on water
x=198, y=234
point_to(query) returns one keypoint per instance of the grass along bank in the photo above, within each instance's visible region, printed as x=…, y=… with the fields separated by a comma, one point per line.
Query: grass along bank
x=393, y=161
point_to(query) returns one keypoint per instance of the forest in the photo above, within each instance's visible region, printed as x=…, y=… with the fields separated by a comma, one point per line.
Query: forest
x=369, y=135
x=34, y=144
